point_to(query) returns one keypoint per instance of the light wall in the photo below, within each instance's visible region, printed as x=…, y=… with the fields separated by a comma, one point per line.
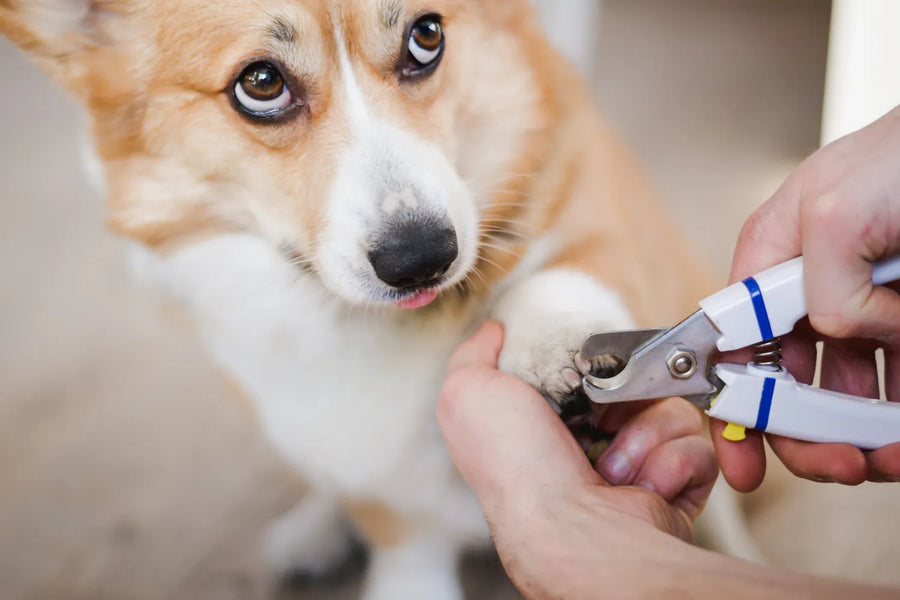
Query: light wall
x=863, y=81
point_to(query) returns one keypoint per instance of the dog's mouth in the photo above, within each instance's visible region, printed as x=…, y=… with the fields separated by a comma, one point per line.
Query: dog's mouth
x=419, y=295
x=417, y=299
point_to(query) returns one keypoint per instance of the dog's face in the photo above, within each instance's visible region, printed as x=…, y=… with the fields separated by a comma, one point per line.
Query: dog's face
x=368, y=140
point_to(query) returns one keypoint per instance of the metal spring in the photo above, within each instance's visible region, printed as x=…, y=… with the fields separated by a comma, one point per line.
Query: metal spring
x=768, y=354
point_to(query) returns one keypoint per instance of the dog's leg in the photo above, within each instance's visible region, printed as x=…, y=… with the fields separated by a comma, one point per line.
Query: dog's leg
x=423, y=567
x=547, y=317
x=408, y=560
x=312, y=540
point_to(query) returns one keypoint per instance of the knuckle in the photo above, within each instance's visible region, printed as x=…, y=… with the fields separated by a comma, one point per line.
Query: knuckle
x=696, y=461
x=841, y=323
x=754, y=229
x=827, y=211
x=680, y=465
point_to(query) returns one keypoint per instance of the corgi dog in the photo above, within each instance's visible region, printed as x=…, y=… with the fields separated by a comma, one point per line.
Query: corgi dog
x=339, y=191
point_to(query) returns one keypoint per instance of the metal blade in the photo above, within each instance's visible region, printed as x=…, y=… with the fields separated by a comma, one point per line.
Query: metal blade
x=621, y=344
x=660, y=363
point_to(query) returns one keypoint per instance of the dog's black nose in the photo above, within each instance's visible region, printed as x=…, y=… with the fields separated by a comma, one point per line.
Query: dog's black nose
x=414, y=254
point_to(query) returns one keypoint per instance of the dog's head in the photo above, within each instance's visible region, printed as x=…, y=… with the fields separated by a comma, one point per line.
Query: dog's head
x=374, y=142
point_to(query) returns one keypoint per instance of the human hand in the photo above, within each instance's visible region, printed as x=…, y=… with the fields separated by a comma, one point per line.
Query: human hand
x=557, y=523
x=841, y=210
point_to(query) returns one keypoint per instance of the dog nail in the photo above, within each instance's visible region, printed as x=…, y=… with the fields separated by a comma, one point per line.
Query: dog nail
x=583, y=365
x=616, y=467
x=572, y=378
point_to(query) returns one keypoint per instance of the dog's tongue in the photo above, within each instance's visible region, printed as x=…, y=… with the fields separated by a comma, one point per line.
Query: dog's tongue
x=418, y=300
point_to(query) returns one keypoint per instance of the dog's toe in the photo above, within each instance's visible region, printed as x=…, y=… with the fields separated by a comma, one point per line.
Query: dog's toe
x=604, y=367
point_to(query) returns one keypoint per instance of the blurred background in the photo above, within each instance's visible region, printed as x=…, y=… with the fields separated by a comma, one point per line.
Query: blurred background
x=128, y=468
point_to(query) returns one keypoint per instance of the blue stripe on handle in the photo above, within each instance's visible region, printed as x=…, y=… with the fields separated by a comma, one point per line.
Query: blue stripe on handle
x=765, y=404
x=759, y=306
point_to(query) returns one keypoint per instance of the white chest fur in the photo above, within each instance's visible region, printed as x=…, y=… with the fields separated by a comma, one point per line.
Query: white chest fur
x=346, y=396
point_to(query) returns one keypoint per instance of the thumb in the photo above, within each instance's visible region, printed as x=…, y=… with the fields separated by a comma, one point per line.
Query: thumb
x=482, y=349
x=505, y=439
x=771, y=234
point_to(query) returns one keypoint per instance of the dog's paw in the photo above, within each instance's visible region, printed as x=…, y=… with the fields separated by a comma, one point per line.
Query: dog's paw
x=312, y=542
x=548, y=357
x=547, y=317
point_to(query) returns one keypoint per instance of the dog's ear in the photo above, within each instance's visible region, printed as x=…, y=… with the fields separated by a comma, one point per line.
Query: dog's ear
x=58, y=34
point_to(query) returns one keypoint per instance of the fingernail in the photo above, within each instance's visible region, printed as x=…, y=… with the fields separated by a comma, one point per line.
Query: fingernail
x=824, y=479
x=617, y=467
x=647, y=485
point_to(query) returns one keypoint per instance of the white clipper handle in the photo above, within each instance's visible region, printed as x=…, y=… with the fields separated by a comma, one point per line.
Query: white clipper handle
x=770, y=304
x=774, y=402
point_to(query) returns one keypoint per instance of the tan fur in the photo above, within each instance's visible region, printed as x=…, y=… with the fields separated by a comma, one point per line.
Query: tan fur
x=155, y=97
x=379, y=524
x=593, y=191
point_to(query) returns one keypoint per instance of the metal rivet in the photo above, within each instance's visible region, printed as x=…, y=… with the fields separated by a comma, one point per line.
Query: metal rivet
x=682, y=364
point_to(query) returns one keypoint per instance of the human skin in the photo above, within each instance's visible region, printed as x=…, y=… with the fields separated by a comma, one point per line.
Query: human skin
x=841, y=210
x=562, y=530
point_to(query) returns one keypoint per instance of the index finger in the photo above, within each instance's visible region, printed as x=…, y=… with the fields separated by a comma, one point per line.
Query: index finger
x=743, y=463
x=838, y=463
x=771, y=235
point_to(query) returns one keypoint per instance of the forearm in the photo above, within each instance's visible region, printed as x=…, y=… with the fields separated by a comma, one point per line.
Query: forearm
x=702, y=575
x=589, y=552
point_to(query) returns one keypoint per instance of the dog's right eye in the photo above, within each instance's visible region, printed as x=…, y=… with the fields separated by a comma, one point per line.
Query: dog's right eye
x=424, y=47
x=261, y=91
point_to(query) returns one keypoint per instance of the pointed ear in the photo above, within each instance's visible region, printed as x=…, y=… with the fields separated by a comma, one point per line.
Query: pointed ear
x=56, y=33
x=47, y=27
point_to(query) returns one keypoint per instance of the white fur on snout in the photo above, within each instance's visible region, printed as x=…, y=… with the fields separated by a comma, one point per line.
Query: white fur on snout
x=547, y=317
x=385, y=170
x=396, y=201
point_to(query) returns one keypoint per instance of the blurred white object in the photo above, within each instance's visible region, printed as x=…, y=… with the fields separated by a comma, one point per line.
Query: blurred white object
x=863, y=62
x=573, y=27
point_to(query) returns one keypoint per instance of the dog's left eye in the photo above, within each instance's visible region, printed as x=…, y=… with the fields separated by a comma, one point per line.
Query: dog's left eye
x=424, y=46
x=261, y=91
